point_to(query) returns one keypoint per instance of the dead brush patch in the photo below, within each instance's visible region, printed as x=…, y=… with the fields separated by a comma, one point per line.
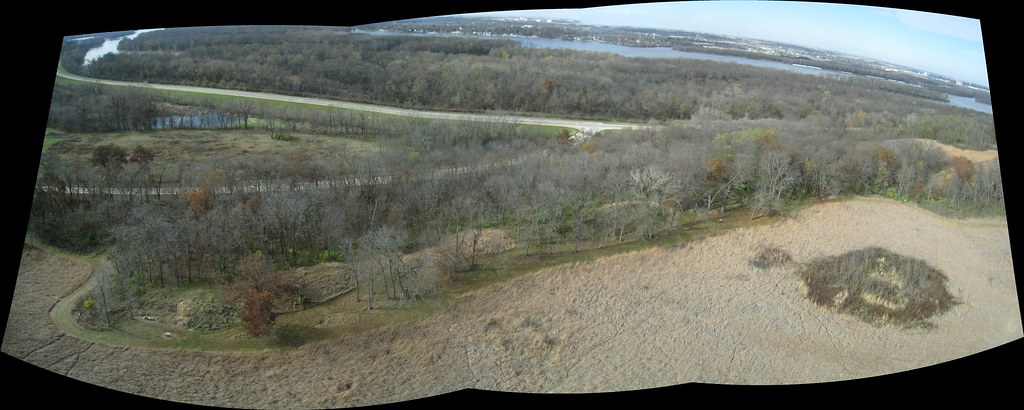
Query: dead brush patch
x=324, y=281
x=489, y=241
x=879, y=287
x=770, y=257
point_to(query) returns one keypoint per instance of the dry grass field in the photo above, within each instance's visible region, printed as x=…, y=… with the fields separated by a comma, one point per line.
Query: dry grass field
x=175, y=147
x=698, y=312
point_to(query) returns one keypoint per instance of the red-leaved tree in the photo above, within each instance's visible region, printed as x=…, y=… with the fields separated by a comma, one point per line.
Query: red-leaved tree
x=259, y=287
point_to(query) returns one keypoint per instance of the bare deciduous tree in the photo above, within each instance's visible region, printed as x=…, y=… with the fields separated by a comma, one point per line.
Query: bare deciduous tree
x=776, y=176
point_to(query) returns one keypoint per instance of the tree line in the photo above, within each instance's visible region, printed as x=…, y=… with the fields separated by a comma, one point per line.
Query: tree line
x=95, y=108
x=631, y=185
x=87, y=108
x=482, y=75
x=679, y=40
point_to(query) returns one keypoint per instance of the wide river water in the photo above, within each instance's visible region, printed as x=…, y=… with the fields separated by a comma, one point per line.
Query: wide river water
x=109, y=46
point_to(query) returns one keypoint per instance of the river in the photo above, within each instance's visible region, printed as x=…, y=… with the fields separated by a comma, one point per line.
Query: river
x=970, y=103
x=666, y=52
x=110, y=46
x=627, y=51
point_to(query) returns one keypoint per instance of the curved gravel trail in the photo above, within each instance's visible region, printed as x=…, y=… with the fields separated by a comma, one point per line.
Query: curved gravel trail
x=665, y=316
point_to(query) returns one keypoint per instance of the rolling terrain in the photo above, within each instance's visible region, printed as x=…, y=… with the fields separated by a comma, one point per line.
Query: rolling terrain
x=699, y=312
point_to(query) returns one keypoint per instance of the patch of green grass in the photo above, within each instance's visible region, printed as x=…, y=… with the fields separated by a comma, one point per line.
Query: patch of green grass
x=543, y=131
x=64, y=81
x=48, y=142
x=292, y=335
x=308, y=325
x=963, y=209
x=217, y=147
x=501, y=267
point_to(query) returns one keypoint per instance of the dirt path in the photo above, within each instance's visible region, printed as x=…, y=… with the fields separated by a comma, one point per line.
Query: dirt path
x=698, y=312
x=973, y=156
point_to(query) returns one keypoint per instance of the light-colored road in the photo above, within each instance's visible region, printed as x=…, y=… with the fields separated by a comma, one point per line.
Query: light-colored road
x=560, y=122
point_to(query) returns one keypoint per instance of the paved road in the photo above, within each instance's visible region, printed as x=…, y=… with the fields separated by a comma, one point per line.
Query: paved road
x=562, y=122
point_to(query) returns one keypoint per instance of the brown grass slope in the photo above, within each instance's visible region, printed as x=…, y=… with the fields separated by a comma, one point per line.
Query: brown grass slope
x=696, y=312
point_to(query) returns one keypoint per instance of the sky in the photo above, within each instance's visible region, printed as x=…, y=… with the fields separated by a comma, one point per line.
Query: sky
x=938, y=43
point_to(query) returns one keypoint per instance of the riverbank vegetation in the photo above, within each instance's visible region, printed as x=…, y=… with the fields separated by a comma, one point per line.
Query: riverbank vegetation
x=705, y=43
x=465, y=74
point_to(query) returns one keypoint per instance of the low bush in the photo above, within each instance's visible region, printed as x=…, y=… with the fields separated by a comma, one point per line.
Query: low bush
x=879, y=287
x=770, y=257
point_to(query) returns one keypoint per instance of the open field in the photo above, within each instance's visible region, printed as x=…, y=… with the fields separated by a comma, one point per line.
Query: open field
x=973, y=156
x=662, y=316
x=174, y=147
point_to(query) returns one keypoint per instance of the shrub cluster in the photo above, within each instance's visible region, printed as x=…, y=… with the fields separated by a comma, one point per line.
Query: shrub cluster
x=879, y=287
x=770, y=257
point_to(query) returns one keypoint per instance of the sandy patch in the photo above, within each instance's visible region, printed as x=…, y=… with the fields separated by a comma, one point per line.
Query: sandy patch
x=491, y=240
x=973, y=156
x=696, y=312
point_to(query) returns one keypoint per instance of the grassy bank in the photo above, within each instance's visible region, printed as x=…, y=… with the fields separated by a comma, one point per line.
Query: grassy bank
x=344, y=315
x=48, y=142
